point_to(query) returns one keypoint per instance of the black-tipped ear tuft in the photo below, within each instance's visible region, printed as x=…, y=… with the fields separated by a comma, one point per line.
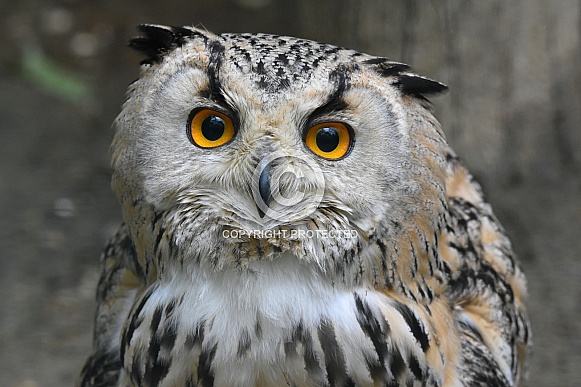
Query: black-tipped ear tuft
x=392, y=68
x=375, y=60
x=409, y=83
x=385, y=67
x=419, y=86
x=158, y=40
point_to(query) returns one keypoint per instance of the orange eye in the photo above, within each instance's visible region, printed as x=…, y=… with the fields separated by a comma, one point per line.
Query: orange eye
x=209, y=128
x=330, y=140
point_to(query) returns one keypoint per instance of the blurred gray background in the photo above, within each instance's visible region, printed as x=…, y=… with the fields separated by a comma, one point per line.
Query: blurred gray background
x=513, y=114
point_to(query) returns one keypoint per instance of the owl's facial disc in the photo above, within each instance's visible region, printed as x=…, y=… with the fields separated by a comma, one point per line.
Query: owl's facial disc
x=284, y=188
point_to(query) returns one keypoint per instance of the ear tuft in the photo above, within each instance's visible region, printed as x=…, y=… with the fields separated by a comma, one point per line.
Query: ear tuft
x=156, y=40
x=392, y=68
x=409, y=83
x=419, y=86
x=385, y=67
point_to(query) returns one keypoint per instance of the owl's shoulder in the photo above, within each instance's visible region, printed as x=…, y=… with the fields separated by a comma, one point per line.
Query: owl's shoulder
x=121, y=277
x=486, y=284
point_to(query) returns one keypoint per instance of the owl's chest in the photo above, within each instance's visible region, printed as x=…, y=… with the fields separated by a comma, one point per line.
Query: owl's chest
x=283, y=324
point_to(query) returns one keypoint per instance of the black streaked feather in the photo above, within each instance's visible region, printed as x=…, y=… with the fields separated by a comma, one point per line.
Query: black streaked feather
x=196, y=338
x=159, y=40
x=135, y=322
x=335, y=103
x=156, y=372
x=156, y=368
x=479, y=367
x=372, y=329
x=414, y=324
x=392, y=68
x=100, y=370
x=415, y=367
x=376, y=60
x=409, y=83
x=334, y=358
x=419, y=86
x=205, y=372
x=386, y=67
x=216, y=57
x=243, y=343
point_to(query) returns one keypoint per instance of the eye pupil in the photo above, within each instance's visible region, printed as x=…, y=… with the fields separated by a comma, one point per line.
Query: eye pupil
x=213, y=128
x=327, y=139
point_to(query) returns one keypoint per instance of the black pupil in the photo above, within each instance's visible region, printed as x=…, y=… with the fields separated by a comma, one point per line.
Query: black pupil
x=327, y=139
x=213, y=128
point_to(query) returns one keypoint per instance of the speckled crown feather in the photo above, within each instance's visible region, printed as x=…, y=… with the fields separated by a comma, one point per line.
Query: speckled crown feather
x=277, y=59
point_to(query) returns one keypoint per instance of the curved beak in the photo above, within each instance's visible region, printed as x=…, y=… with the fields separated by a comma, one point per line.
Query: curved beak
x=264, y=188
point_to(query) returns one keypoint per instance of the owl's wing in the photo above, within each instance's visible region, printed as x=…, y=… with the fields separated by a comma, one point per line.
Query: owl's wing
x=120, y=279
x=486, y=286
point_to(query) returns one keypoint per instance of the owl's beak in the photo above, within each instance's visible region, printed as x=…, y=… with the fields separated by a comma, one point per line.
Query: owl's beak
x=264, y=188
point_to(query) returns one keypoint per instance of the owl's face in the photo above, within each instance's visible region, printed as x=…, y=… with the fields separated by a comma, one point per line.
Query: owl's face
x=249, y=145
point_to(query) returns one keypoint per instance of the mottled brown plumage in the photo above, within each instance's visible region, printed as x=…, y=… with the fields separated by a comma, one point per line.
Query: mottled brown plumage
x=294, y=216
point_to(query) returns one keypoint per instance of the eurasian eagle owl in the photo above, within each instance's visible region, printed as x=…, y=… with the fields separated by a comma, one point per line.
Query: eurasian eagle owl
x=293, y=216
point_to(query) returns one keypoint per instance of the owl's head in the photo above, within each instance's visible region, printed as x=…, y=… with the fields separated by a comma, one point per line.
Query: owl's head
x=237, y=147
